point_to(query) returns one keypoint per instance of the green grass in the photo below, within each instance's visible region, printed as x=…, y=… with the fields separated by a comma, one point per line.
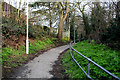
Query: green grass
x=12, y=57
x=41, y=45
x=105, y=57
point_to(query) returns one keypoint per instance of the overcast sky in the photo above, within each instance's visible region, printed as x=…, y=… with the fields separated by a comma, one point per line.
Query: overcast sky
x=15, y=3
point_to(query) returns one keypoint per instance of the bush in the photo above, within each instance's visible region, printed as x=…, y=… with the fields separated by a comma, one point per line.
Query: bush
x=35, y=31
x=11, y=27
x=111, y=35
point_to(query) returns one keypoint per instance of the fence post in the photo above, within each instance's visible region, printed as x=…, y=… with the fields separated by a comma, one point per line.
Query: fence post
x=88, y=67
x=72, y=51
x=70, y=47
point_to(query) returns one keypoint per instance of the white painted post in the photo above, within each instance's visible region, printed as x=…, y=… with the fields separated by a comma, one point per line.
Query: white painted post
x=74, y=34
x=69, y=29
x=27, y=40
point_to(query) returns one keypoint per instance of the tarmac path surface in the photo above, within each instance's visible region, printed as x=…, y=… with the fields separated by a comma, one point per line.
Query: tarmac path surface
x=40, y=66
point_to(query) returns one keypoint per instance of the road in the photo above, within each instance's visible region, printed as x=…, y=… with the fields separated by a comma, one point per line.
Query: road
x=40, y=66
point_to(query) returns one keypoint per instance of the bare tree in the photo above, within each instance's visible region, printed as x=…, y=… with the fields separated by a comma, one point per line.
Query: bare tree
x=117, y=10
x=62, y=17
x=98, y=20
x=84, y=17
x=63, y=9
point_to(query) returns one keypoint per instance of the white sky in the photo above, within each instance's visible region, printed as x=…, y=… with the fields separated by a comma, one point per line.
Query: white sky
x=72, y=0
x=15, y=3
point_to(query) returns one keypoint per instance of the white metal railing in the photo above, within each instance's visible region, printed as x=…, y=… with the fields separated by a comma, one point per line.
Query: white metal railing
x=89, y=61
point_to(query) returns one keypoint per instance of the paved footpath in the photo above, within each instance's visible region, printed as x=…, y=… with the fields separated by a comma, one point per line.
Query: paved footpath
x=40, y=66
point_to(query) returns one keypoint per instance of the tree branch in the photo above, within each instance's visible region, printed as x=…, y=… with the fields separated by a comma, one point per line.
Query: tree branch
x=67, y=11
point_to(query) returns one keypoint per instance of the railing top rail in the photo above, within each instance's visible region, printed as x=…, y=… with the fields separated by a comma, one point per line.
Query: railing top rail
x=94, y=63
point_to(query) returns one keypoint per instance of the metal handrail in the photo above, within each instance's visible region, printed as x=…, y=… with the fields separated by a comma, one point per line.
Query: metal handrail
x=89, y=60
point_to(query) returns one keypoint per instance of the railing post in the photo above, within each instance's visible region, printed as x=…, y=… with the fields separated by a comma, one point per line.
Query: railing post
x=72, y=51
x=88, y=67
x=70, y=47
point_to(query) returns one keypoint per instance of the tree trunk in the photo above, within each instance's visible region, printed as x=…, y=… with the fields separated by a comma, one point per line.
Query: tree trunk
x=19, y=9
x=118, y=12
x=50, y=21
x=60, y=29
x=62, y=19
x=69, y=29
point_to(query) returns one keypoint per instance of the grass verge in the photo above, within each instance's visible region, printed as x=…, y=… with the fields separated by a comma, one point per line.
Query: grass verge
x=105, y=57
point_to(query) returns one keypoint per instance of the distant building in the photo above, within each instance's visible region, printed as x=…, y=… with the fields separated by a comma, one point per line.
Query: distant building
x=10, y=11
x=0, y=10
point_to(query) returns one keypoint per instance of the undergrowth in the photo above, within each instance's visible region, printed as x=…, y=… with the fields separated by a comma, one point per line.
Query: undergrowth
x=99, y=53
